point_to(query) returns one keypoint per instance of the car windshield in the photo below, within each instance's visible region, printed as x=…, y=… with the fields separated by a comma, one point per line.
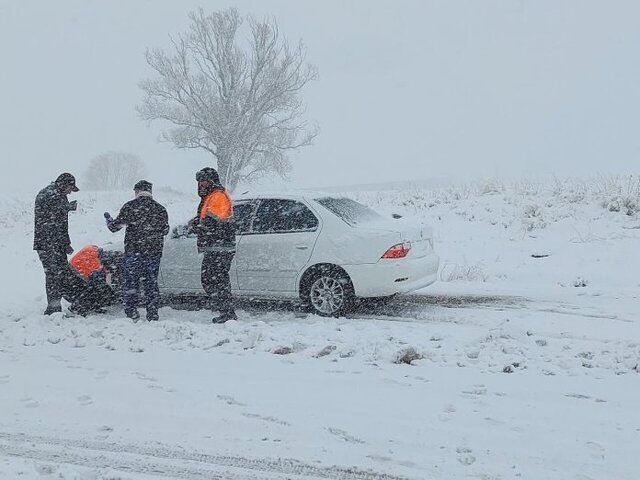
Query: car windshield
x=349, y=210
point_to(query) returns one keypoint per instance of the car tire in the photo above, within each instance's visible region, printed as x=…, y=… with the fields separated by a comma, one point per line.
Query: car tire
x=328, y=292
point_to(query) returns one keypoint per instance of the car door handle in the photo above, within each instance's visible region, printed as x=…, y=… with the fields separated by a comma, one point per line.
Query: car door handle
x=302, y=247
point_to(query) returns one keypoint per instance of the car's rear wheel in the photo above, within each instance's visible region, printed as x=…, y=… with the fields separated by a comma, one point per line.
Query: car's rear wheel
x=328, y=291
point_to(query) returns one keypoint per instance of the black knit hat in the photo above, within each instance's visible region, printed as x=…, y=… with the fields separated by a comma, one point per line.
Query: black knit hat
x=208, y=174
x=66, y=180
x=143, y=186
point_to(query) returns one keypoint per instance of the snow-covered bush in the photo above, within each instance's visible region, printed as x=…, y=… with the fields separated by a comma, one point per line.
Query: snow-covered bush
x=462, y=273
x=490, y=187
x=619, y=193
x=532, y=218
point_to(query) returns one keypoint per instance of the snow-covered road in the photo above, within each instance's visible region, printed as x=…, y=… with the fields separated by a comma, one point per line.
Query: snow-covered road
x=505, y=386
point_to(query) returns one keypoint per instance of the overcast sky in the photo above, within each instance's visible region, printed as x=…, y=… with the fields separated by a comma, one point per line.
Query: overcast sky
x=407, y=89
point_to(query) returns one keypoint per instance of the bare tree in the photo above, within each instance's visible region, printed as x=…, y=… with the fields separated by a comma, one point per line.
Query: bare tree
x=238, y=99
x=114, y=171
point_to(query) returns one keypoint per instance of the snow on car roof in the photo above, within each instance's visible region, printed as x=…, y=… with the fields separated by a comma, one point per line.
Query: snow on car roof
x=290, y=194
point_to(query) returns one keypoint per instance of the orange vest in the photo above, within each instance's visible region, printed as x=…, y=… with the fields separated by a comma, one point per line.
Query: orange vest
x=218, y=203
x=86, y=261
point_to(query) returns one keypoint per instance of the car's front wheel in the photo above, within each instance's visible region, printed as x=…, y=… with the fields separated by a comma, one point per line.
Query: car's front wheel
x=328, y=292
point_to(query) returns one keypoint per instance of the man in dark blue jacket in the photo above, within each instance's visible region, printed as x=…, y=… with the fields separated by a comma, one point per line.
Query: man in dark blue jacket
x=51, y=240
x=146, y=223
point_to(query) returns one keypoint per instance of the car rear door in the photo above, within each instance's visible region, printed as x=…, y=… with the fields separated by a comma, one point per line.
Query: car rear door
x=277, y=247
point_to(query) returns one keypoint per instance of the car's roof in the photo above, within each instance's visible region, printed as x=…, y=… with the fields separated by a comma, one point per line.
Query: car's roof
x=291, y=195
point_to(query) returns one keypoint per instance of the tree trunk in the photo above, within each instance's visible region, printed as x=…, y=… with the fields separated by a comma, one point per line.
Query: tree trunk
x=228, y=177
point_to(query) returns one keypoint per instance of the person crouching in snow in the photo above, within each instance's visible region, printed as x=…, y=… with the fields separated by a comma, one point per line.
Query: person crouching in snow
x=147, y=223
x=96, y=266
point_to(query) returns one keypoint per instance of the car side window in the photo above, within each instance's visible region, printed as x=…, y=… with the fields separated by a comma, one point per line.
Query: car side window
x=279, y=215
x=242, y=213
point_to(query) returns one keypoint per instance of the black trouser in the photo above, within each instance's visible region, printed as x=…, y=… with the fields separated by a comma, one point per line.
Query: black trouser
x=215, y=280
x=96, y=295
x=61, y=280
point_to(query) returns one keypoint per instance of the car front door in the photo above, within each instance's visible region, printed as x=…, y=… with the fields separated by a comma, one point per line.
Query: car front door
x=180, y=266
x=277, y=246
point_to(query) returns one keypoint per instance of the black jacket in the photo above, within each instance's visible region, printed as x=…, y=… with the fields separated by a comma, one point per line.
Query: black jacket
x=147, y=224
x=51, y=220
x=214, y=234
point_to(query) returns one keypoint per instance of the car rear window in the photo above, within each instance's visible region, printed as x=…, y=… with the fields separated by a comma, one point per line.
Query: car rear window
x=349, y=210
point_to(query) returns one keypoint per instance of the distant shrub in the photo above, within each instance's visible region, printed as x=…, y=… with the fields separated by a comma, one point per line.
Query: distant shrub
x=619, y=193
x=533, y=218
x=463, y=273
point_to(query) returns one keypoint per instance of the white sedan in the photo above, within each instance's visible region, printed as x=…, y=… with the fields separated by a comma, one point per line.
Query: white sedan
x=322, y=249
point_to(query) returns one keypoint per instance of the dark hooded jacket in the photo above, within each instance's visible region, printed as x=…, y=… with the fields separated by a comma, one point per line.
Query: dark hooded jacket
x=51, y=220
x=147, y=224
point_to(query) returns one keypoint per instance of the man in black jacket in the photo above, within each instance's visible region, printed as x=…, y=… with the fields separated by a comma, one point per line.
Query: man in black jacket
x=51, y=240
x=217, y=240
x=147, y=224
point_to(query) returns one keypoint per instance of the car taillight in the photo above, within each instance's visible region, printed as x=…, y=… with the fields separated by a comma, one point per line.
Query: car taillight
x=398, y=251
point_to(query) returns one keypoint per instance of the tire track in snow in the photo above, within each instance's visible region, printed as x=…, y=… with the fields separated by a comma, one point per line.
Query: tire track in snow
x=167, y=462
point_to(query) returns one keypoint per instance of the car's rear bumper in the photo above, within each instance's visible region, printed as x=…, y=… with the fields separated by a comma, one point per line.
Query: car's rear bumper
x=391, y=276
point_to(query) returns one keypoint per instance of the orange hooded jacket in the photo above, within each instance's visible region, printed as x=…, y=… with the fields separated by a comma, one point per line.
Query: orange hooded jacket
x=87, y=261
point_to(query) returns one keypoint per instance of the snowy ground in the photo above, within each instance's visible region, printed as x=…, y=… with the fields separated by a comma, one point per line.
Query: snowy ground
x=524, y=358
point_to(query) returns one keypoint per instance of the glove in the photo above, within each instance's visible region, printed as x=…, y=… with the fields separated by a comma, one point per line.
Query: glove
x=191, y=225
x=73, y=206
x=69, y=250
x=107, y=218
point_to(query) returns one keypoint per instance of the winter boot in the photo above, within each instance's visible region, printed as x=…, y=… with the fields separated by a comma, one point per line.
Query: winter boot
x=75, y=309
x=152, y=315
x=132, y=313
x=53, y=307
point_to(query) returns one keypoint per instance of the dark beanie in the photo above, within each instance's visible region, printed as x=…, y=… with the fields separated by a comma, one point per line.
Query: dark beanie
x=208, y=174
x=143, y=186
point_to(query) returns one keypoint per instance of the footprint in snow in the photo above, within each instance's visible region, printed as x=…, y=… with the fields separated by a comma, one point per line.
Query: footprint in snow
x=5, y=378
x=464, y=456
x=447, y=413
x=145, y=377
x=229, y=400
x=85, y=400
x=597, y=450
x=267, y=419
x=344, y=435
x=493, y=421
x=29, y=402
x=579, y=396
x=477, y=390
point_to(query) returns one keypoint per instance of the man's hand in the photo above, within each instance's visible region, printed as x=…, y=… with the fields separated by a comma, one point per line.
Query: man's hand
x=73, y=206
x=69, y=250
x=192, y=225
x=108, y=219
